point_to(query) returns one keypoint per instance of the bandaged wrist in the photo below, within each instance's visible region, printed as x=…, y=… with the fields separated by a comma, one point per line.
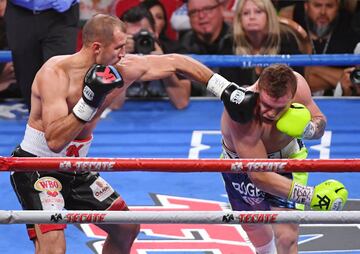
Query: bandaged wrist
x=84, y=111
x=309, y=130
x=301, y=194
x=217, y=84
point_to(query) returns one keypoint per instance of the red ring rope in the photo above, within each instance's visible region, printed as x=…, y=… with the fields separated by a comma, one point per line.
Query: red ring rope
x=71, y=164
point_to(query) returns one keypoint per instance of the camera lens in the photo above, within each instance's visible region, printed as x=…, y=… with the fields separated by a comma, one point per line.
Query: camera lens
x=144, y=42
x=355, y=76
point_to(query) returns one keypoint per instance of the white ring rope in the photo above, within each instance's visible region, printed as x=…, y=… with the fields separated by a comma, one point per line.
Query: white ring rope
x=179, y=217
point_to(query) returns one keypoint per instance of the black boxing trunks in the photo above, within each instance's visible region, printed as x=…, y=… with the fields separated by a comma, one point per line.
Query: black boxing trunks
x=245, y=196
x=60, y=190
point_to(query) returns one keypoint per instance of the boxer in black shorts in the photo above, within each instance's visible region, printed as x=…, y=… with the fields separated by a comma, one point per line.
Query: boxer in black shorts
x=59, y=190
x=69, y=94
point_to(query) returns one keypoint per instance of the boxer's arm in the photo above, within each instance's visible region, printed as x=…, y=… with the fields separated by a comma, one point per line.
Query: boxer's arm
x=59, y=125
x=238, y=101
x=247, y=141
x=329, y=195
x=318, y=119
x=154, y=67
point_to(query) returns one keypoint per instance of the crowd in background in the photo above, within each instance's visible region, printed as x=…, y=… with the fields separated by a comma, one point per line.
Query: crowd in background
x=211, y=27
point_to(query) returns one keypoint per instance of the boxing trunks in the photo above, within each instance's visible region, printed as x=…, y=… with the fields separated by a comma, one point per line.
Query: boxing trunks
x=40, y=190
x=245, y=196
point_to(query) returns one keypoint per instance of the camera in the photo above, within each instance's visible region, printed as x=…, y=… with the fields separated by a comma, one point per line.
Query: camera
x=355, y=76
x=144, y=42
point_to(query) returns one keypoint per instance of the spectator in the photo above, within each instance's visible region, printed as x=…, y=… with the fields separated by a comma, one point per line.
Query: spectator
x=180, y=19
x=209, y=34
x=331, y=32
x=140, y=27
x=349, y=83
x=36, y=31
x=8, y=86
x=121, y=6
x=158, y=12
x=356, y=18
x=88, y=8
x=2, y=7
x=257, y=30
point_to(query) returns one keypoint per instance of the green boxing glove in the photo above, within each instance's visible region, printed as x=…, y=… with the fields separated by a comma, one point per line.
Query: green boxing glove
x=295, y=122
x=330, y=195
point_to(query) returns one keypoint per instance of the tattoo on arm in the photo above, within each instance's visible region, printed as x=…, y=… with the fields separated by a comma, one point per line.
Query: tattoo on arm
x=320, y=124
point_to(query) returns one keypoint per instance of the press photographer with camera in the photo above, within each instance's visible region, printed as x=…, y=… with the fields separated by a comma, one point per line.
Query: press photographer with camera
x=349, y=83
x=142, y=39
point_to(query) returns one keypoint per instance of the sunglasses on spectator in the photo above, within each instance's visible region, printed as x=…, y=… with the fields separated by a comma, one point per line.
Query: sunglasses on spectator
x=206, y=10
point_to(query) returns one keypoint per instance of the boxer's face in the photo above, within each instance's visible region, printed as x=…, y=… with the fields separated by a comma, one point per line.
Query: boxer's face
x=271, y=108
x=205, y=17
x=253, y=19
x=321, y=12
x=112, y=52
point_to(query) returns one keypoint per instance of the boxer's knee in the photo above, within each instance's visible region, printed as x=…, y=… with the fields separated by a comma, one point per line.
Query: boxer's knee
x=120, y=236
x=52, y=242
x=258, y=234
x=125, y=232
x=286, y=236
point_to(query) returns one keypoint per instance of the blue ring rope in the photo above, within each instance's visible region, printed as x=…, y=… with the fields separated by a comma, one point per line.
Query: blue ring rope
x=260, y=60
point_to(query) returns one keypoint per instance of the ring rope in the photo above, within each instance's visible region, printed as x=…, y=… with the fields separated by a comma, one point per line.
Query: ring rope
x=258, y=60
x=179, y=217
x=265, y=60
x=76, y=164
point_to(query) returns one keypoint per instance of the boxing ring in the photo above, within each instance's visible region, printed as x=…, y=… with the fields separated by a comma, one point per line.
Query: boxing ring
x=154, y=129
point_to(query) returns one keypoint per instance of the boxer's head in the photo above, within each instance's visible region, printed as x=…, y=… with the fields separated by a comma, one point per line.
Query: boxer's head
x=277, y=87
x=105, y=36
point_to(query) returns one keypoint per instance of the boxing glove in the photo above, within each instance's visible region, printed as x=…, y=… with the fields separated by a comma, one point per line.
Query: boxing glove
x=239, y=102
x=296, y=122
x=99, y=81
x=330, y=195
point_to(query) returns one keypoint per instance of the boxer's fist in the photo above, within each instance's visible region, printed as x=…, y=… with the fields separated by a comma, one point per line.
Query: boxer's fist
x=99, y=81
x=239, y=103
x=296, y=121
x=329, y=195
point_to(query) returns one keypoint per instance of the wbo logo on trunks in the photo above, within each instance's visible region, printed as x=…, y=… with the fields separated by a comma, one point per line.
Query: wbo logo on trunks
x=50, y=195
x=48, y=184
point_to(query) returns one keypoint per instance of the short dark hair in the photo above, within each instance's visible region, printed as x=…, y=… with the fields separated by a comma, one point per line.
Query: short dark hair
x=136, y=14
x=277, y=79
x=101, y=28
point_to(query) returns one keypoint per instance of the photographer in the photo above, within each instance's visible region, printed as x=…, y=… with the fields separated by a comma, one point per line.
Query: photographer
x=142, y=40
x=349, y=83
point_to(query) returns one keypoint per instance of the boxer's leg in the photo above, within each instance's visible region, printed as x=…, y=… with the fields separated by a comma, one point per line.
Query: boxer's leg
x=94, y=193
